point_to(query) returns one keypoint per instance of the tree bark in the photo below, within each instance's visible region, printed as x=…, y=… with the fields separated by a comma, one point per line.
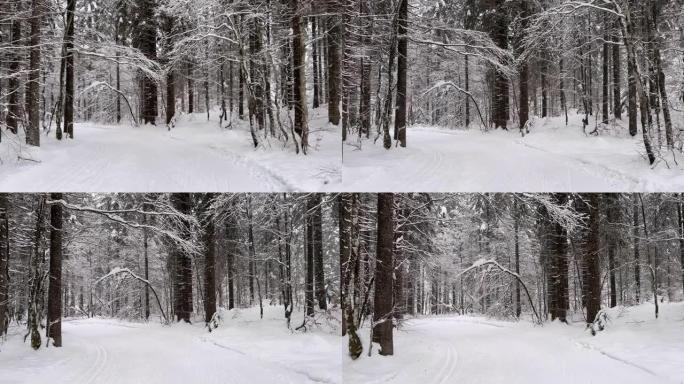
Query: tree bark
x=33, y=83
x=384, y=281
x=321, y=296
x=592, y=301
x=184, y=308
x=54, y=315
x=209, y=270
x=402, y=67
x=69, y=67
x=334, y=40
x=301, y=126
x=4, y=263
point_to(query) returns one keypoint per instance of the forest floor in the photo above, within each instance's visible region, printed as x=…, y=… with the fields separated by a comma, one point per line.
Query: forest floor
x=553, y=157
x=195, y=156
x=244, y=349
x=634, y=348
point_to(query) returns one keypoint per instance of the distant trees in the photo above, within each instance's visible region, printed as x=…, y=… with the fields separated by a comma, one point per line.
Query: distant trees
x=105, y=254
x=543, y=257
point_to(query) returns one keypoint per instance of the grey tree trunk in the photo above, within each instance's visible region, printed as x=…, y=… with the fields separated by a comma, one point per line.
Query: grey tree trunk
x=54, y=315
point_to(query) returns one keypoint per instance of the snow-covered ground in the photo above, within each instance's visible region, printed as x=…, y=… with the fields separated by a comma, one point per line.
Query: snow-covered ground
x=244, y=349
x=634, y=348
x=195, y=156
x=551, y=158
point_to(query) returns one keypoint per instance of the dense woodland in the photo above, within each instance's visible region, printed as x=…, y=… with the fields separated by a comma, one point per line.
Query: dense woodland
x=377, y=65
x=177, y=257
x=563, y=257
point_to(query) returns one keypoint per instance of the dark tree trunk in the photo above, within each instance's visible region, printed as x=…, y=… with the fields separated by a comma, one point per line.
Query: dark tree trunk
x=558, y=267
x=606, y=89
x=13, y=105
x=4, y=263
x=310, y=249
x=365, y=74
x=191, y=90
x=497, y=25
x=334, y=67
x=251, y=249
x=209, y=270
x=384, y=281
x=592, y=276
x=146, y=42
x=318, y=253
x=637, y=258
x=632, y=106
x=301, y=126
x=402, y=66
x=617, y=77
x=231, y=235
x=33, y=83
x=147, y=268
x=314, y=56
x=613, y=216
x=183, y=203
x=680, y=214
x=343, y=213
x=516, y=229
x=54, y=315
x=69, y=67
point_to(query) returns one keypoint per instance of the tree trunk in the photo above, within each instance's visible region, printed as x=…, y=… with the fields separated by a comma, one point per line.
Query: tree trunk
x=183, y=203
x=301, y=126
x=384, y=281
x=13, y=105
x=4, y=263
x=558, y=267
x=209, y=270
x=637, y=258
x=617, y=77
x=592, y=300
x=69, y=67
x=310, y=249
x=402, y=66
x=334, y=40
x=314, y=56
x=54, y=315
x=146, y=42
x=321, y=296
x=33, y=83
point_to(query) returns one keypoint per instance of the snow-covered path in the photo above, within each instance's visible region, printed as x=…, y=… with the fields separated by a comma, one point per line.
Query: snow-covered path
x=442, y=350
x=552, y=158
x=110, y=352
x=195, y=156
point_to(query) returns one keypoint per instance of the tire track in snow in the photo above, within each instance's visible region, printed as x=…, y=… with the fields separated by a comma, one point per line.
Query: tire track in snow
x=96, y=368
x=306, y=374
x=621, y=360
x=588, y=166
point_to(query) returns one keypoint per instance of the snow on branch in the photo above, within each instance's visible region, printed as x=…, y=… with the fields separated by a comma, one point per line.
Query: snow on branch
x=119, y=270
x=485, y=262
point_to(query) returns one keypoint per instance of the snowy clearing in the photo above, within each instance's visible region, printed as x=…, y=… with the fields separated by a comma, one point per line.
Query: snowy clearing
x=551, y=158
x=244, y=349
x=195, y=156
x=634, y=348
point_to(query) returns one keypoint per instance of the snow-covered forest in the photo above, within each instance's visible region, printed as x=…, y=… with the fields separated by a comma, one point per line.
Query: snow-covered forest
x=195, y=88
x=495, y=288
x=161, y=288
x=515, y=96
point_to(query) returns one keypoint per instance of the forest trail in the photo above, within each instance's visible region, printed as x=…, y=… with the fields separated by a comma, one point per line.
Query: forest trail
x=194, y=156
x=551, y=158
x=111, y=352
x=455, y=349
